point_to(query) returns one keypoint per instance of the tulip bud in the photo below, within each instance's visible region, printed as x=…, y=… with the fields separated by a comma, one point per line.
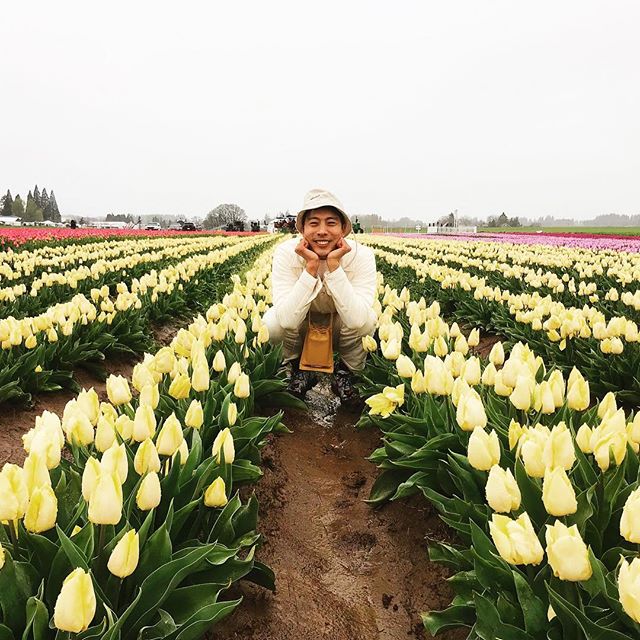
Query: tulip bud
x=470, y=412
x=180, y=387
x=559, y=450
x=471, y=371
x=515, y=433
x=234, y=371
x=36, y=473
x=405, y=366
x=149, y=492
x=232, y=413
x=215, y=495
x=483, y=450
x=558, y=495
x=150, y=396
x=195, y=415
x=556, y=381
x=89, y=404
x=14, y=493
x=502, y=491
x=607, y=406
x=144, y=423
x=522, y=395
x=76, y=604
x=105, y=434
x=170, y=436
x=489, y=375
x=219, y=363
x=578, y=397
x=241, y=387
x=532, y=445
x=124, y=557
x=105, y=502
x=474, y=338
x=496, y=355
x=515, y=540
x=567, y=553
x=200, y=378
x=500, y=387
x=146, y=458
x=118, y=390
x=583, y=438
x=629, y=588
x=630, y=520
x=42, y=511
x=164, y=360
x=224, y=441
x=114, y=460
x=369, y=344
x=418, y=383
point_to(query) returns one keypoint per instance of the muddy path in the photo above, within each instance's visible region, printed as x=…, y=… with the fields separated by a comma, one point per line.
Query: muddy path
x=344, y=571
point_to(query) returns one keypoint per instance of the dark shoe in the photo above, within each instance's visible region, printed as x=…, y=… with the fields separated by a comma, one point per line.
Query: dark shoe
x=343, y=387
x=300, y=381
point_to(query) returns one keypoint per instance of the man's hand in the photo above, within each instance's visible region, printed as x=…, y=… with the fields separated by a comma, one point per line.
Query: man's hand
x=333, y=259
x=311, y=258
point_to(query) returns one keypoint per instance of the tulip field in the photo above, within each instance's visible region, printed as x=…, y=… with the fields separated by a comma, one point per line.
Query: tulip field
x=133, y=514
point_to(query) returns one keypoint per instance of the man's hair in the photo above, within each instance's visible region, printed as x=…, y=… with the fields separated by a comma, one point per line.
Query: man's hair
x=333, y=209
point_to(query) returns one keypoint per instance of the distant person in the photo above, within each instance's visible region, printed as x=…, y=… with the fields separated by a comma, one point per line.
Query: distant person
x=324, y=287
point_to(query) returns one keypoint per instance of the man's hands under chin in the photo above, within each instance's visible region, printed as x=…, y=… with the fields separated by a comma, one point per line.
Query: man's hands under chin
x=333, y=259
x=311, y=258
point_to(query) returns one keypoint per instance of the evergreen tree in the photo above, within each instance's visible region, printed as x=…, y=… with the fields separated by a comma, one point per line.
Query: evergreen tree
x=17, y=208
x=52, y=212
x=6, y=203
x=44, y=201
x=36, y=196
x=30, y=213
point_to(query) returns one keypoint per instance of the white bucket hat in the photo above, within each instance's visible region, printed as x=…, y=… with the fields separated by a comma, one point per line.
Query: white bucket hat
x=318, y=198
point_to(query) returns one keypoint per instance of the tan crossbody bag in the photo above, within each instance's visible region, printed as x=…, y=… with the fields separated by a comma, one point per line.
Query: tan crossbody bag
x=317, y=352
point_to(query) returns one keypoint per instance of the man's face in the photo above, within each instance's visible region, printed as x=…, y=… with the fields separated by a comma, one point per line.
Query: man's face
x=322, y=230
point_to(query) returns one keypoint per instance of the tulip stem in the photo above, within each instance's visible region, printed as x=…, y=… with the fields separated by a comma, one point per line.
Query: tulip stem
x=101, y=538
x=13, y=532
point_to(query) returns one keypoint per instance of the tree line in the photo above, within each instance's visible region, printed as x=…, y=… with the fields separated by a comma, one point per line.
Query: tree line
x=40, y=206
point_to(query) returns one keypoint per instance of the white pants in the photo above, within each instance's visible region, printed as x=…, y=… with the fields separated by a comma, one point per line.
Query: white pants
x=347, y=342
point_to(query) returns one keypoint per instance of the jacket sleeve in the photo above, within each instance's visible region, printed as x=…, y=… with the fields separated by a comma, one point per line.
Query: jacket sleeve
x=292, y=294
x=354, y=298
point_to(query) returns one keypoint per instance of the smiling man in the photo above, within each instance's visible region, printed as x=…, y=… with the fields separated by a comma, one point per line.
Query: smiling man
x=327, y=275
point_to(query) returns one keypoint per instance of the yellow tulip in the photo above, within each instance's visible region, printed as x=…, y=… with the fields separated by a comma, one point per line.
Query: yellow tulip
x=391, y=349
x=470, y=412
x=629, y=588
x=125, y=555
x=89, y=404
x=556, y=381
x=114, y=460
x=522, y=395
x=219, y=363
x=200, y=378
x=144, y=423
x=14, y=493
x=630, y=520
x=405, y=366
x=118, y=390
x=578, y=397
x=474, y=338
x=369, y=344
x=170, y=436
x=516, y=431
x=146, y=458
x=224, y=441
x=241, y=387
x=36, y=473
x=483, y=450
x=105, y=433
x=418, y=383
x=124, y=426
x=500, y=387
x=105, y=501
x=76, y=604
x=515, y=540
x=180, y=387
x=234, y=371
x=149, y=492
x=607, y=407
x=380, y=405
x=471, y=371
x=583, y=438
x=232, y=413
x=558, y=495
x=2, y=557
x=150, y=396
x=195, y=415
x=531, y=447
x=164, y=360
x=496, y=355
x=215, y=494
x=502, y=491
x=42, y=510
x=567, y=553
x=559, y=450
x=489, y=375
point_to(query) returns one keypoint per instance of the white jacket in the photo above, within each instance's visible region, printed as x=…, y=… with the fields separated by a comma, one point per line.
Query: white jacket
x=351, y=287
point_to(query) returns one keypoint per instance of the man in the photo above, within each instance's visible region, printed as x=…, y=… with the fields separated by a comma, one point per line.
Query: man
x=324, y=273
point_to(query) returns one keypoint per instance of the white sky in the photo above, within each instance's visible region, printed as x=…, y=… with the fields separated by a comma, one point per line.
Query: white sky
x=405, y=108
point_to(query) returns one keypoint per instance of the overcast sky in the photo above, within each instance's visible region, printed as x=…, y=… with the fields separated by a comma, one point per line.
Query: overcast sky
x=404, y=108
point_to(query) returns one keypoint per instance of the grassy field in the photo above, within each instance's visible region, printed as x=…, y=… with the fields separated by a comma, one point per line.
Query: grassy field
x=617, y=231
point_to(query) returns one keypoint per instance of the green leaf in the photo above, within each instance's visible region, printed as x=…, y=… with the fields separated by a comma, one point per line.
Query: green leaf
x=161, y=629
x=386, y=485
x=533, y=609
x=460, y=615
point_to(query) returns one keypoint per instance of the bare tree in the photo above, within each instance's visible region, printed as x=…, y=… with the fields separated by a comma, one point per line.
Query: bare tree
x=224, y=214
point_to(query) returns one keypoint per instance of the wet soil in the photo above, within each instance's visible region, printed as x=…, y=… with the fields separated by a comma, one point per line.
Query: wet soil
x=344, y=570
